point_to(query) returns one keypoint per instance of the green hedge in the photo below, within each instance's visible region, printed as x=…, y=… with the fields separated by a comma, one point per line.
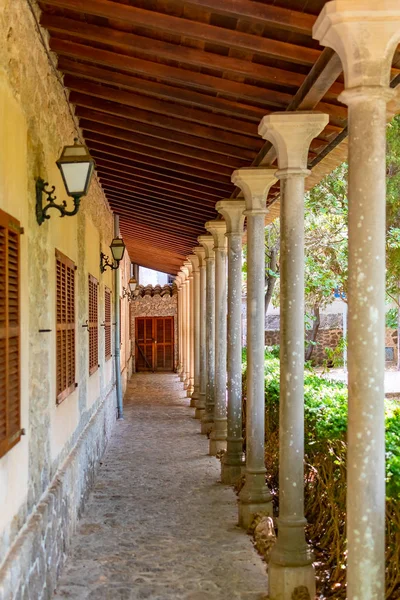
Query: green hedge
x=325, y=413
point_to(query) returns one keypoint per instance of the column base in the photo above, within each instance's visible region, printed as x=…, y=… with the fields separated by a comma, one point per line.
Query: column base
x=230, y=474
x=182, y=377
x=216, y=445
x=289, y=583
x=247, y=512
x=194, y=399
x=206, y=426
x=189, y=392
x=199, y=413
x=254, y=498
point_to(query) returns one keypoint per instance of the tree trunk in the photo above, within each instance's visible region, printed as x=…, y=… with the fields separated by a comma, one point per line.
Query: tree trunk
x=314, y=332
x=271, y=279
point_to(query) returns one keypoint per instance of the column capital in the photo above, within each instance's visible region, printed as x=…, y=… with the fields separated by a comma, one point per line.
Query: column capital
x=255, y=183
x=291, y=134
x=232, y=211
x=218, y=230
x=201, y=255
x=207, y=241
x=365, y=34
x=194, y=259
x=187, y=269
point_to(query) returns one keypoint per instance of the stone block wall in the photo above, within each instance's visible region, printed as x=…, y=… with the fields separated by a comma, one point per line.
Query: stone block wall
x=156, y=306
x=33, y=565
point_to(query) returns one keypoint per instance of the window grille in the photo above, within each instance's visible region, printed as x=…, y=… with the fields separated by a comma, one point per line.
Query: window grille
x=65, y=327
x=107, y=322
x=93, y=325
x=10, y=391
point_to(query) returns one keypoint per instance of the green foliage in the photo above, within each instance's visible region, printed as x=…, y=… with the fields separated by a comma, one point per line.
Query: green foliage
x=391, y=318
x=325, y=414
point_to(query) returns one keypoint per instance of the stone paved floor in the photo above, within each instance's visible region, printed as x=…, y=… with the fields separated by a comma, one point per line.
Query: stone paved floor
x=158, y=524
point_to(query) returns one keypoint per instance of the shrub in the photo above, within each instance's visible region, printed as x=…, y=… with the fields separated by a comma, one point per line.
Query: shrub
x=325, y=413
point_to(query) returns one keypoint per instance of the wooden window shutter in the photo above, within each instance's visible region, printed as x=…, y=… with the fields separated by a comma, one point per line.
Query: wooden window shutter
x=93, y=325
x=10, y=391
x=107, y=323
x=65, y=328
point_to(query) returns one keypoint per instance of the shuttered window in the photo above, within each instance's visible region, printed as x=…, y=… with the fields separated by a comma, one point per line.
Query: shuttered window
x=93, y=325
x=107, y=323
x=65, y=328
x=10, y=395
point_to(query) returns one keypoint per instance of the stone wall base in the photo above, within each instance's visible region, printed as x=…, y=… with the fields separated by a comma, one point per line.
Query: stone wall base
x=35, y=560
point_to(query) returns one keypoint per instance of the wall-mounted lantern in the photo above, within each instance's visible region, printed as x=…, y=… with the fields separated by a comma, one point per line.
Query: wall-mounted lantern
x=133, y=292
x=117, y=248
x=76, y=166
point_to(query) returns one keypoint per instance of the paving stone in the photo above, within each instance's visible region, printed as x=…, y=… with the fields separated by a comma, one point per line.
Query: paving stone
x=158, y=524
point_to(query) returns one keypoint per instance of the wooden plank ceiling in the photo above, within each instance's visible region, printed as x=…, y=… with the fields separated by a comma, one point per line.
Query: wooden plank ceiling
x=169, y=95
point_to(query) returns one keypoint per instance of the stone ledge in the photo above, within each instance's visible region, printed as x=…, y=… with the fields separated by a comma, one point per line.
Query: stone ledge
x=33, y=564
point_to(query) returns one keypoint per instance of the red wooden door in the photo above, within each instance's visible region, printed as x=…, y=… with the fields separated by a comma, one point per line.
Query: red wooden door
x=164, y=340
x=144, y=344
x=154, y=344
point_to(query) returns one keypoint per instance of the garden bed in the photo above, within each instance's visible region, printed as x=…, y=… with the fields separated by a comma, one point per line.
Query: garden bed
x=325, y=475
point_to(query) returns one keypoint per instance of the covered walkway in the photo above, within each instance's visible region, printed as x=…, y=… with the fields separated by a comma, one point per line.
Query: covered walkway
x=158, y=525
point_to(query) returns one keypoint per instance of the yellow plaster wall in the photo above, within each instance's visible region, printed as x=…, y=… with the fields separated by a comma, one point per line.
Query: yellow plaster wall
x=35, y=124
x=13, y=185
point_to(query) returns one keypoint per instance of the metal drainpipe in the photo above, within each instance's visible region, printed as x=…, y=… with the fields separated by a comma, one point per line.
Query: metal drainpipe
x=117, y=352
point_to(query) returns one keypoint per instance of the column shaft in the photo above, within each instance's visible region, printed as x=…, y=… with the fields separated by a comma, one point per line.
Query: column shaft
x=366, y=339
x=219, y=433
x=233, y=461
x=208, y=417
x=255, y=495
x=201, y=400
x=190, y=389
x=187, y=336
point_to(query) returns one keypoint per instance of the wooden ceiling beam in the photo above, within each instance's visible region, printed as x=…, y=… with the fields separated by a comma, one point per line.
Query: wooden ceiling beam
x=172, y=93
x=140, y=234
x=170, y=136
x=140, y=150
x=168, y=225
x=113, y=107
x=167, y=109
x=97, y=147
x=268, y=14
x=160, y=239
x=176, y=205
x=151, y=180
x=151, y=211
x=151, y=144
x=189, y=78
x=141, y=202
x=151, y=20
x=112, y=161
x=153, y=192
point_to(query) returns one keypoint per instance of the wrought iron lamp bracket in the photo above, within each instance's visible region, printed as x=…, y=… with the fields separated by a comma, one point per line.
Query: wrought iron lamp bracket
x=105, y=262
x=41, y=211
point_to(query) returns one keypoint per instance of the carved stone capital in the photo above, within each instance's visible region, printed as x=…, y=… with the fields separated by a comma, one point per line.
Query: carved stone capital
x=233, y=213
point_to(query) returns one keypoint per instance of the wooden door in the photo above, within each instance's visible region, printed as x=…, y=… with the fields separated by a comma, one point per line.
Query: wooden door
x=154, y=343
x=164, y=340
x=144, y=344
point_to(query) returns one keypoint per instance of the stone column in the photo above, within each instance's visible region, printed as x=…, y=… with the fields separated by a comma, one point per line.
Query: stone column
x=184, y=272
x=201, y=402
x=188, y=265
x=233, y=460
x=291, y=560
x=365, y=34
x=178, y=282
x=219, y=430
x=207, y=419
x=194, y=259
x=255, y=496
